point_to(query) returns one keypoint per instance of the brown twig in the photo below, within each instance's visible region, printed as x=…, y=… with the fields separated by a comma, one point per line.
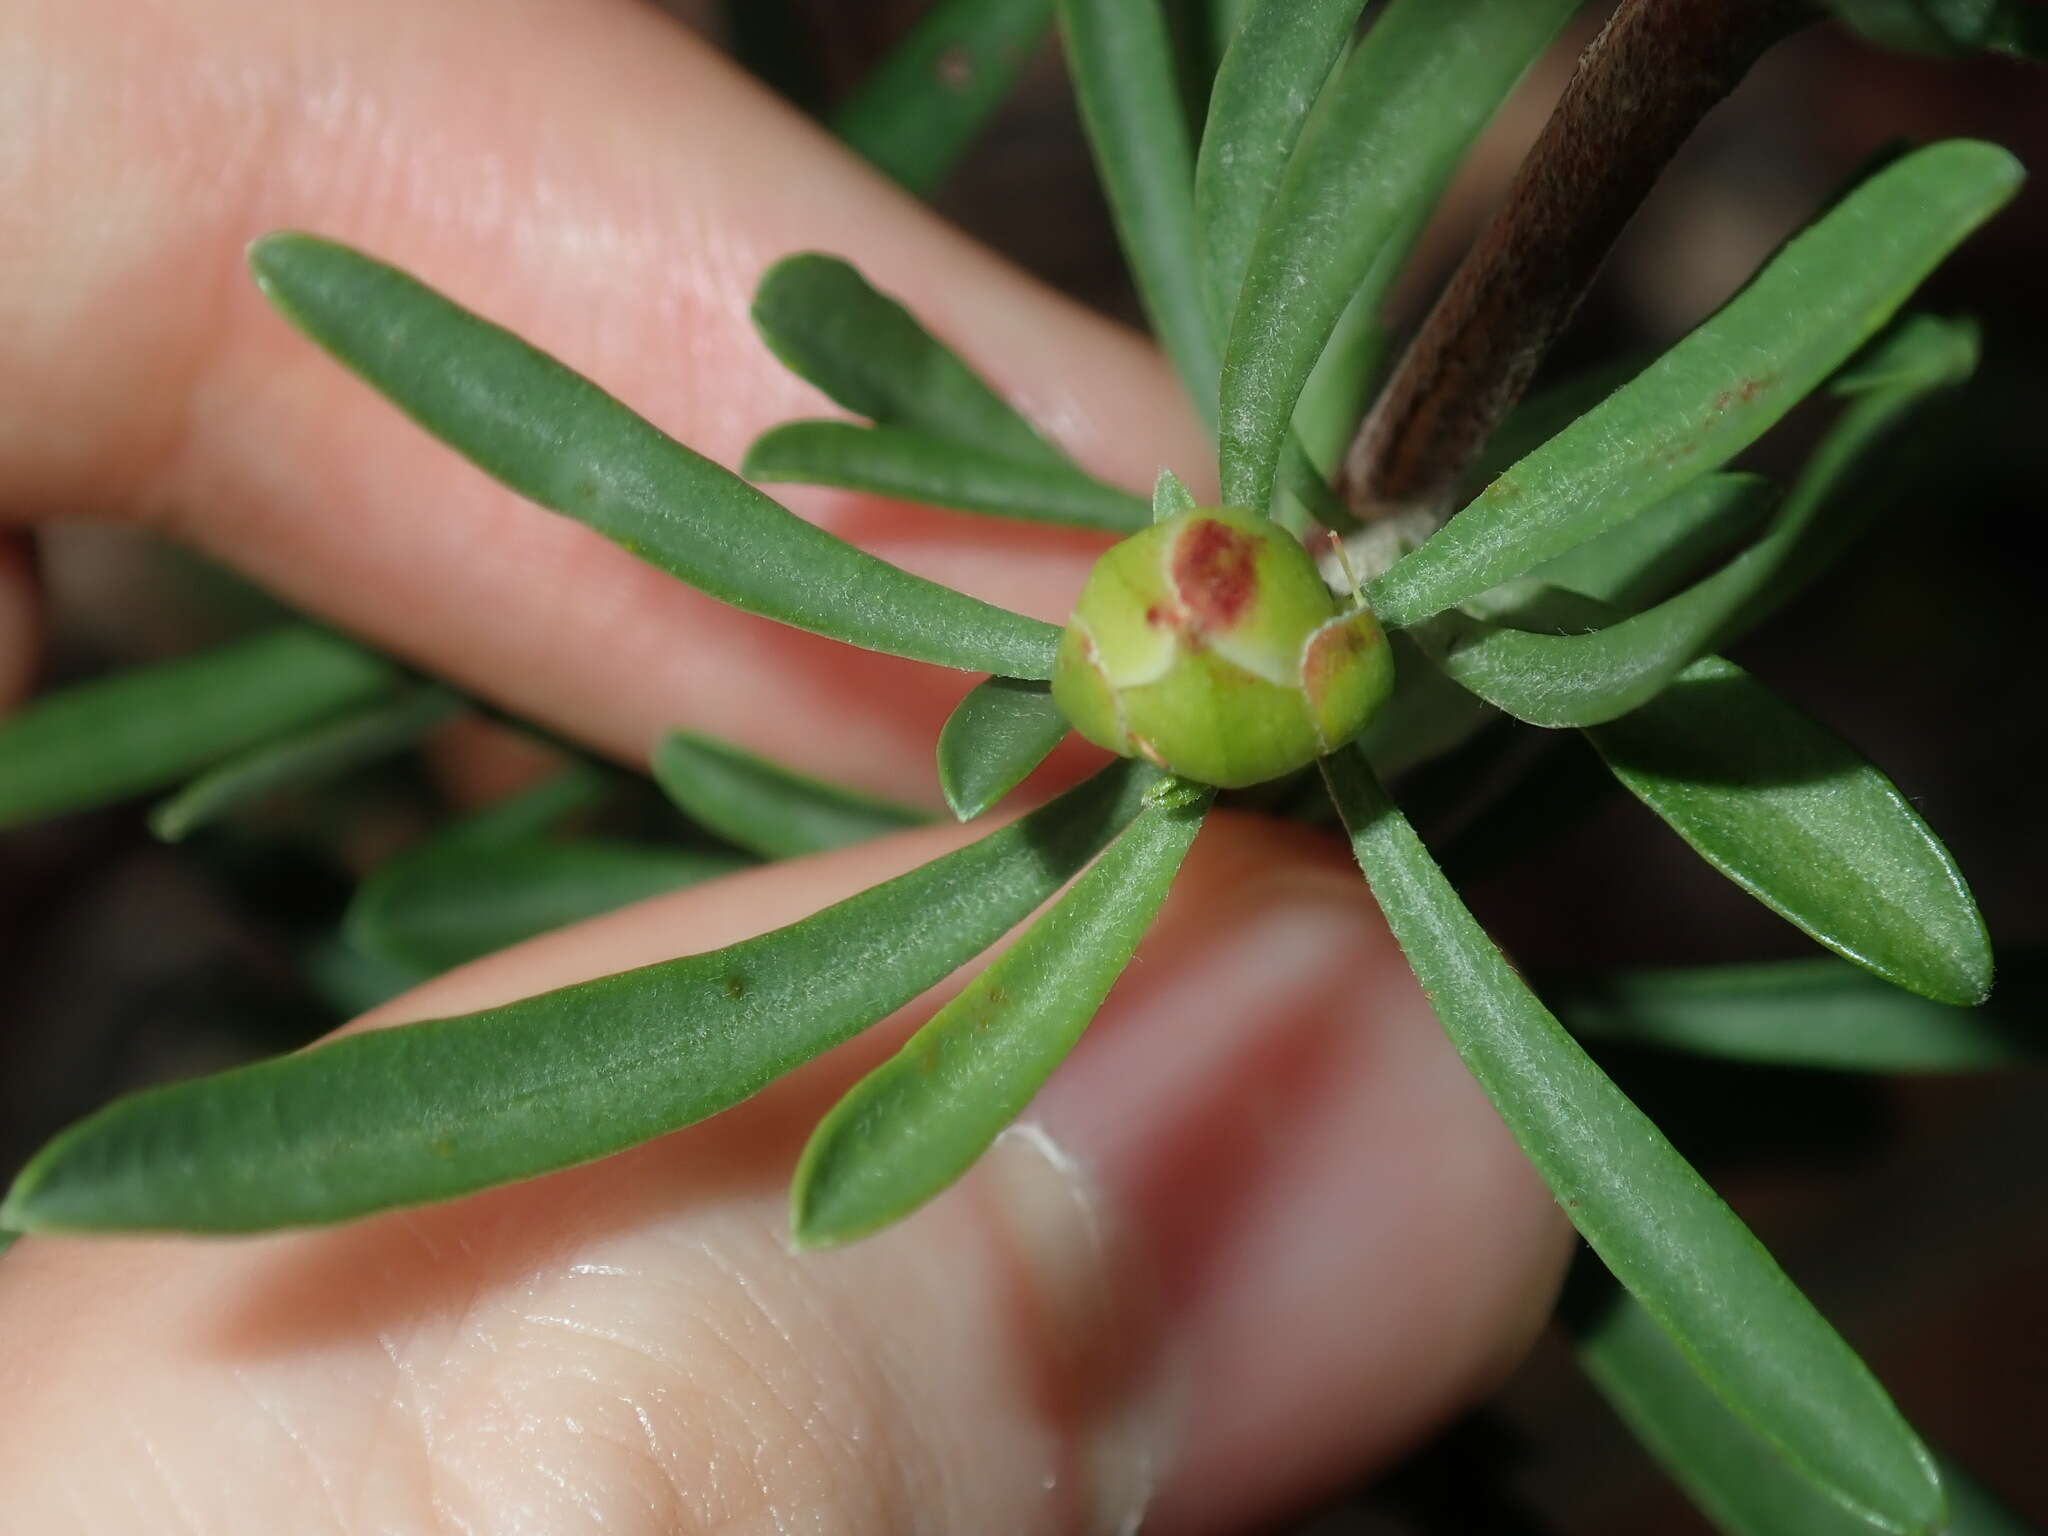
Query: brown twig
x=1655, y=70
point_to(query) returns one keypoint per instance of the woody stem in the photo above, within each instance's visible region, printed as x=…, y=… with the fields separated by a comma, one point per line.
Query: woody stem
x=1655, y=70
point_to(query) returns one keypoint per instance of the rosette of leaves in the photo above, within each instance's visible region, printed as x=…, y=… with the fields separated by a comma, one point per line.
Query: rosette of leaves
x=1566, y=593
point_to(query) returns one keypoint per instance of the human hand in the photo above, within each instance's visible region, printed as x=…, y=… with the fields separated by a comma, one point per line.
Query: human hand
x=1265, y=1231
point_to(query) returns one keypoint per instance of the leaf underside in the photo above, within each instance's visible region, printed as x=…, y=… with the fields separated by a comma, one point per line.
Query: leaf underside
x=429, y=1111
x=1767, y=1355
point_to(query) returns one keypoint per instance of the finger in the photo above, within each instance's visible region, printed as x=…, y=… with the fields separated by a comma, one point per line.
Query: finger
x=589, y=175
x=1271, y=1232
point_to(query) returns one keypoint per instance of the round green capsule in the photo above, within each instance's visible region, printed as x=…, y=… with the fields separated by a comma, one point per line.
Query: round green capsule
x=1208, y=644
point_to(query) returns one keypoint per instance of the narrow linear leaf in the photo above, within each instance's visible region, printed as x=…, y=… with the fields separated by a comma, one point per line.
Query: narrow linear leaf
x=351, y=981
x=1334, y=400
x=151, y=726
x=313, y=754
x=1371, y=162
x=529, y=814
x=1170, y=498
x=1919, y=353
x=1275, y=69
x=1821, y=1012
x=431, y=911
x=1649, y=557
x=764, y=807
x=1300, y=481
x=1586, y=679
x=1736, y=1478
x=1345, y=377
x=1949, y=26
x=917, y=1122
x=430, y=1111
x=831, y=327
x=1121, y=60
x=921, y=108
x=1820, y=298
x=1767, y=1355
x=910, y=466
x=354, y=972
x=560, y=441
x=993, y=739
x=1547, y=412
x=1591, y=663
x=1219, y=22
x=1804, y=823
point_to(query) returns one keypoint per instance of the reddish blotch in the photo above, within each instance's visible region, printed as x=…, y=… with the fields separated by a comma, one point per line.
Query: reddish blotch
x=1215, y=571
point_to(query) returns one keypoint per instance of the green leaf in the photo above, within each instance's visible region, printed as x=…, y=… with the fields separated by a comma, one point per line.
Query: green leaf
x=917, y=1122
x=1547, y=412
x=1949, y=26
x=1275, y=69
x=313, y=754
x=1800, y=820
x=560, y=441
x=433, y=910
x=1170, y=498
x=1820, y=1012
x=1345, y=377
x=351, y=981
x=1592, y=663
x=911, y=466
x=1920, y=353
x=1370, y=165
x=764, y=807
x=1586, y=679
x=1699, y=1272
x=151, y=726
x=920, y=109
x=429, y=1111
x=1121, y=60
x=1820, y=298
x=1648, y=557
x=1218, y=22
x=1332, y=404
x=868, y=353
x=1300, y=481
x=994, y=738
x=529, y=814
x=1734, y=1476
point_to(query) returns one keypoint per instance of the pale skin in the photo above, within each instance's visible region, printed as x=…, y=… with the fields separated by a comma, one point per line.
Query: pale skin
x=1266, y=1234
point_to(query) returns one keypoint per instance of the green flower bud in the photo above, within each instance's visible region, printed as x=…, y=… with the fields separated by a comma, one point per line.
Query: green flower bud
x=1209, y=645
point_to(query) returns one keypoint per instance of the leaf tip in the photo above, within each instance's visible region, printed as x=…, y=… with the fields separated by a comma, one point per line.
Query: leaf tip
x=814, y=1223
x=269, y=255
x=963, y=806
x=167, y=823
x=17, y=1208
x=758, y=462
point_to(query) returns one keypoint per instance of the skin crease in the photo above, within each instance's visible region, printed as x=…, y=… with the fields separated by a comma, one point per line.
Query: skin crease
x=1284, y=1235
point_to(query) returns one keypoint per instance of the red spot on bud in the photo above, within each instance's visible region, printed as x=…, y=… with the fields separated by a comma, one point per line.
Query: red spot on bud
x=1334, y=647
x=1215, y=570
